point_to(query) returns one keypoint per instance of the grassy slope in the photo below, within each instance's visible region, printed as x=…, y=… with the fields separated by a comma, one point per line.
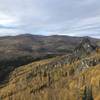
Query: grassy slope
x=52, y=79
x=24, y=49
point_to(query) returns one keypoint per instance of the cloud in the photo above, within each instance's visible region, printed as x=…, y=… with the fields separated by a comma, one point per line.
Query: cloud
x=49, y=17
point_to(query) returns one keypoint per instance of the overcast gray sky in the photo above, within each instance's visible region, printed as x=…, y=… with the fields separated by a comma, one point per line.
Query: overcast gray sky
x=50, y=17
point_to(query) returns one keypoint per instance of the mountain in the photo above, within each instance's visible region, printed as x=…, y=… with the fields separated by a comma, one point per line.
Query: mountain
x=68, y=76
x=29, y=45
x=26, y=48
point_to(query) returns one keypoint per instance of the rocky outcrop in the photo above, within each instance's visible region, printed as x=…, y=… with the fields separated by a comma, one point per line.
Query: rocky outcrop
x=85, y=47
x=87, y=63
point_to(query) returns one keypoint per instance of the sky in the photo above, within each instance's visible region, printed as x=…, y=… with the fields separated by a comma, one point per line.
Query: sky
x=50, y=17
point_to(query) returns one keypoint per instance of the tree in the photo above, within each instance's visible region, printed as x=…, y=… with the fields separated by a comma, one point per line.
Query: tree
x=87, y=95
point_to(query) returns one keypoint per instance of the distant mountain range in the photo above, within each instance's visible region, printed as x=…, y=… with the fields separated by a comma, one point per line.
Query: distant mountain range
x=38, y=46
x=23, y=49
x=73, y=72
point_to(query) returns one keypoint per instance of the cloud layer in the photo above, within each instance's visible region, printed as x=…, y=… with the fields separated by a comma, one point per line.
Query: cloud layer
x=49, y=17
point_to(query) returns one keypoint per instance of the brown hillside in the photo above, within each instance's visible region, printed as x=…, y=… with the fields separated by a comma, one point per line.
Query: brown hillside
x=54, y=79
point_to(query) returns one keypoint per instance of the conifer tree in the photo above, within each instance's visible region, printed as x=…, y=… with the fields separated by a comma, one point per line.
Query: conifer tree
x=87, y=95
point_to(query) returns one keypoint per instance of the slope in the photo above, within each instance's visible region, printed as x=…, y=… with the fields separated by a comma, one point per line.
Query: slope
x=55, y=79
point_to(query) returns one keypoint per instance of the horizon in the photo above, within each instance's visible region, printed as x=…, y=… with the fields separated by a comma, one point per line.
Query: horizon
x=50, y=17
x=47, y=35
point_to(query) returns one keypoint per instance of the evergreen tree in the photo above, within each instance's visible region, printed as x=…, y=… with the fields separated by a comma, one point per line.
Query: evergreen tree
x=87, y=95
x=90, y=94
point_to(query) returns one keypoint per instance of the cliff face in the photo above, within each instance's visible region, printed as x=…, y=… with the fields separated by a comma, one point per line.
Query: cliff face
x=60, y=78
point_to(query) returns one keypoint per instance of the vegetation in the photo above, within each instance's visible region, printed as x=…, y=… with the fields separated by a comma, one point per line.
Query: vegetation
x=87, y=94
x=54, y=79
x=66, y=77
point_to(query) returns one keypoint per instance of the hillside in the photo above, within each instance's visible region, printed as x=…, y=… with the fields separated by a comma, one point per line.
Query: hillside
x=27, y=44
x=16, y=50
x=23, y=49
x=68, y=77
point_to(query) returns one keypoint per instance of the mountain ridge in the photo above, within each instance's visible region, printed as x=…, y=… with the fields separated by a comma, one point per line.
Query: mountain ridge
x=63, y=78
x=26, y=48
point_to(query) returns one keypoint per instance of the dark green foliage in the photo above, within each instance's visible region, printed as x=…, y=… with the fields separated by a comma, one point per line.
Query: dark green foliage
x=87, y=95
x=1, y=98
